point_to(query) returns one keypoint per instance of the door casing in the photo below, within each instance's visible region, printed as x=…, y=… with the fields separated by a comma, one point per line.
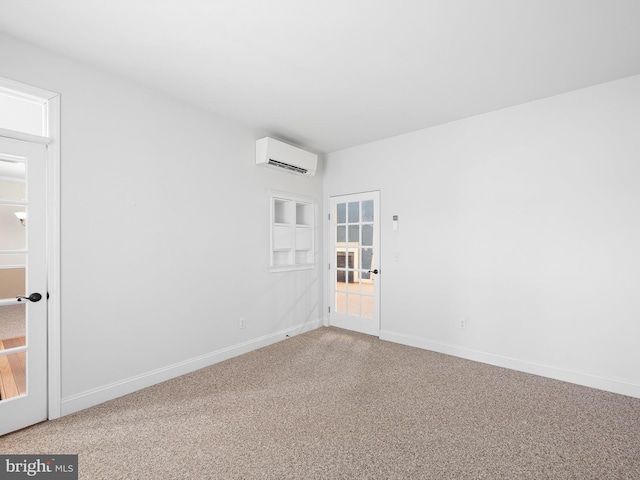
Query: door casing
x=51, y=138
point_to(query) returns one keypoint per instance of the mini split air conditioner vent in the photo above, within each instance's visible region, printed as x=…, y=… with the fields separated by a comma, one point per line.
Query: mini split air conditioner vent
x=286, y=166
x=286, y=158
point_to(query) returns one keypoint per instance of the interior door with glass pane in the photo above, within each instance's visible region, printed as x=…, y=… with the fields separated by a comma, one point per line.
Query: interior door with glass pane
x=23, y=271
x=354, y=268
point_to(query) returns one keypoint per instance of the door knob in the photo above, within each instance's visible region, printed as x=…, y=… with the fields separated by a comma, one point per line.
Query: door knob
x=34, y=297
x=374, y=271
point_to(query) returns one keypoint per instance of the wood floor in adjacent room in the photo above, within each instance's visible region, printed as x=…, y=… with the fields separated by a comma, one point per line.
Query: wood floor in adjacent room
x=332, y=404
x=13, y=379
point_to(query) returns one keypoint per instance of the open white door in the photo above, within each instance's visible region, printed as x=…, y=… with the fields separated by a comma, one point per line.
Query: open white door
x=23, y=268
x=354, y=268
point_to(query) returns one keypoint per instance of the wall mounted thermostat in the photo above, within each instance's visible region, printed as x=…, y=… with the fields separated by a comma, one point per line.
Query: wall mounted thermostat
x=395, y=222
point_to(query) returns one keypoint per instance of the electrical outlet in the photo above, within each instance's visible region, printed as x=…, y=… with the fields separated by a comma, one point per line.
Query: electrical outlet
x=242, y=323
x=462, y=324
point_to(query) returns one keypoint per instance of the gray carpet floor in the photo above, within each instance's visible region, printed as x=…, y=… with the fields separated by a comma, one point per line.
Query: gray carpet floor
x=332, y=404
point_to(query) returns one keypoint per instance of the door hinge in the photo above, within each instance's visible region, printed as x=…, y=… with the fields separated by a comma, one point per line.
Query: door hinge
x=329, y=309
x=329, y=265
x=328, y=216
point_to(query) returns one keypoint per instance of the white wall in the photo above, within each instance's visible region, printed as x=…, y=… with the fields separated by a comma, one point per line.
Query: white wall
x=165, y=233
x=524, y=221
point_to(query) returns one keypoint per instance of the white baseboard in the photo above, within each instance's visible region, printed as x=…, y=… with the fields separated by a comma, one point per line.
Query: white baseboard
x=90, y=398
x=587, y=380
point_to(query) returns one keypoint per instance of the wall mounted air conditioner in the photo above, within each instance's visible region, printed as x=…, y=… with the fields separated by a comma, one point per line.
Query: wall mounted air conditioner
x=287, y=158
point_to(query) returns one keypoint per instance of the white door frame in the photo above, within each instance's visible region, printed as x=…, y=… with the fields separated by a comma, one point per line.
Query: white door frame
x=51, y=138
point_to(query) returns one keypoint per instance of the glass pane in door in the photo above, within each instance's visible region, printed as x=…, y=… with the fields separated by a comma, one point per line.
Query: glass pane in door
x=367, y=287
x=367, y=211
x=354, y=282
x=367, y=306
x=366, y=261
x=12, y=277
x=12, y=219
x=12, y=326
x=13, y=378
x=354, y=212
x=354, y=234
x=353, y=305
x=367, y=235
x=341, y=213
x=12, y=181
x=341, y=258
x=341, y=302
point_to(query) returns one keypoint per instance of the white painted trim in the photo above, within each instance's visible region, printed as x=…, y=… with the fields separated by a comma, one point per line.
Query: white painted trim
x=5, y=302
x=9, y=351
x=53, y=258
x=26, y=91
x=292, y=268
x=25, y=137
x=13, y=203
x=114, y=390
x=280, y=195
x=580, y=378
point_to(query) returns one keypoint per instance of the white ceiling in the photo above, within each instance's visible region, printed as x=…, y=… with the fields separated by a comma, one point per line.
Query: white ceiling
x=329, y=74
